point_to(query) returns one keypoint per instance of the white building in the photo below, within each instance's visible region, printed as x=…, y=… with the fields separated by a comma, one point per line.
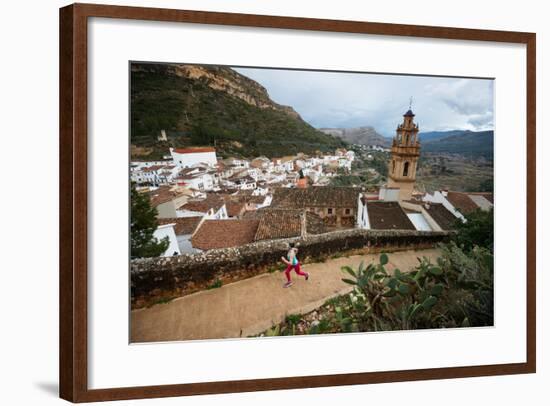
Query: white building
x=136, y=165
x=284, y=164
x=166, y=199
x=344, y=162
x=162, y=136
x=211, y=208
x=440, y=196
x=201, y=181
x=198, y=178
x=153, y=172
x=237, y=162
x=314, y=173
x=378, y=148
x=167, y=174
x=167, y=230
x=261, y=190
x=362, y=220
x=245, y=183
x=184, y=242
x=388, y=194
x=224, y=171
x=186, y=157
x=276, y=177
x=419, y=221
x=261, y=163
x=256, y=174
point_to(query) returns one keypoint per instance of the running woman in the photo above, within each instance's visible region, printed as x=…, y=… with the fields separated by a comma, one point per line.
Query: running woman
x=292, y=263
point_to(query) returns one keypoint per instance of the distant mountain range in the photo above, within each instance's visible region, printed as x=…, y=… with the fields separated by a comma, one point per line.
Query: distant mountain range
x=436, y=135
x=360, y=135
x=464, y=142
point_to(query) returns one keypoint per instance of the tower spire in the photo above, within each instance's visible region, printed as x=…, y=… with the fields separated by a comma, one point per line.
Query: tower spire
x=405, y=152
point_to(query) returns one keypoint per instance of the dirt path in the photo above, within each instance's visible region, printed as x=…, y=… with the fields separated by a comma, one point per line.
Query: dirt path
x=253, y=305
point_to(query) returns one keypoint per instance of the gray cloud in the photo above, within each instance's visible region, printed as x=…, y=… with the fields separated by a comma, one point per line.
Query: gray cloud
x=481, y=121
x=334, y=99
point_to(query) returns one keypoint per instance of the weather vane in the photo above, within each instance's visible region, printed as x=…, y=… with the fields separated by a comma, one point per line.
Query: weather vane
x=410, y=103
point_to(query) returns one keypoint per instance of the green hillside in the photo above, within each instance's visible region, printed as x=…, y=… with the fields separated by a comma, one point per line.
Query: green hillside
x=467, y=143
x=199, y=105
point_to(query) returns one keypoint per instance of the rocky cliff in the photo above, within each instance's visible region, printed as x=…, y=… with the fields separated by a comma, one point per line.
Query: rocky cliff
x=213, y=105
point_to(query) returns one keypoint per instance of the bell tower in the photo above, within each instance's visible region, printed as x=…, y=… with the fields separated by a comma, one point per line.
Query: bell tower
x=405, y=152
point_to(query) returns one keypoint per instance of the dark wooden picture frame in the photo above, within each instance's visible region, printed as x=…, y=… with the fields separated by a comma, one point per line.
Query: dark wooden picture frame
x=73, y=201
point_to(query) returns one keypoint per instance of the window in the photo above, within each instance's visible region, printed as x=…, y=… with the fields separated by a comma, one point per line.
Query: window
x=406, y=169
x=348, y=211
x=330, y=211
x=393, y=166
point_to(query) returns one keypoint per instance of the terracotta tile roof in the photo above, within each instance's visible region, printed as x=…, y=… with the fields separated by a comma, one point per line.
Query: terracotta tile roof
x=164, y=194
x=187, y=177
x=153, y=168
x=184, y=225
x=441, y=215
x=315, y=196
x=462, y=202
x=234, y=208
x=368, y=198
x=481, y=201
x=388, y=216
x=285, y=223
x=193, y=150
x=187, y=171
x=256, y=199
x=244, y=193
x=239, y=174
x=228, y=189
x=224, y=234
x=212, y=201
x=259, y=162
x=246, y=179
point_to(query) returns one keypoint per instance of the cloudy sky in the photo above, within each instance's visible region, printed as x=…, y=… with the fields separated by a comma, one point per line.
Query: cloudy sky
x=345, y=100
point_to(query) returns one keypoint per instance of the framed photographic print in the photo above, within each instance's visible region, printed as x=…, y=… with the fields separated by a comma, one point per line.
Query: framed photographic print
x=256, y=202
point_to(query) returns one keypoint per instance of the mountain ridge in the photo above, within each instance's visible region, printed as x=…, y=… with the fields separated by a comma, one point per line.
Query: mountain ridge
x=364, y=135
x=464, y=142
x=436, y=135
x=213, y=105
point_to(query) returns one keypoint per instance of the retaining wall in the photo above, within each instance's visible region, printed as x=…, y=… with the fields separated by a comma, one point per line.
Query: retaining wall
x=156, y=279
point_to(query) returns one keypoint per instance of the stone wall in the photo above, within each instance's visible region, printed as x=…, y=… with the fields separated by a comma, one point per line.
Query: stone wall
x=158, y=279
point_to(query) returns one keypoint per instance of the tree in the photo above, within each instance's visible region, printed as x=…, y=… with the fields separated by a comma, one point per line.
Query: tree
x=486, y=186
x=143, y=224
x=477, y=230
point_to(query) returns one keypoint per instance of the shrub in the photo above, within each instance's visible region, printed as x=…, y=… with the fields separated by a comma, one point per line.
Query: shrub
x=457, y=291
x=216, y=284
x=476, y=231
